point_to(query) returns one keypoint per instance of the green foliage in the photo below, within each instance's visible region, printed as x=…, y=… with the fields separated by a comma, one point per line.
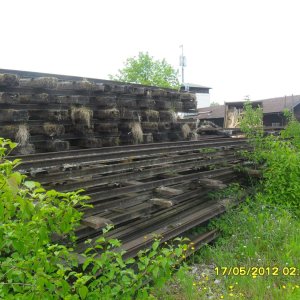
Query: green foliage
x=233, y=191
x=278, y=156
x=260, y=237
x=145, y=70
x=292, y=129
x=251, y=122
x=118, y=279
x=255, y=234
x=32, y=266
x=208, y=150
x=212, y=104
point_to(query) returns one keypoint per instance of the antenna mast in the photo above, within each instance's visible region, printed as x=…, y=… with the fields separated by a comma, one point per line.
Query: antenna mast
x=182, y=63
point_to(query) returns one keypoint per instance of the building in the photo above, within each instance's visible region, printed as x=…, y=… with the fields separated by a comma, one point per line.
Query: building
x=202, y=93
x=273, y=110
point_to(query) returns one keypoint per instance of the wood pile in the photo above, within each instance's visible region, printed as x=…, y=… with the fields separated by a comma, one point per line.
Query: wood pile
x=145, y=189
x=45, y=112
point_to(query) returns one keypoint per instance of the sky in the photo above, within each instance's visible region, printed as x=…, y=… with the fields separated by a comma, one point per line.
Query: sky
x=237, y=47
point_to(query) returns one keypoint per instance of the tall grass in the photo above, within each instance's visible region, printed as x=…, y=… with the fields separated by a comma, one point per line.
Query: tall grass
x=260, y=239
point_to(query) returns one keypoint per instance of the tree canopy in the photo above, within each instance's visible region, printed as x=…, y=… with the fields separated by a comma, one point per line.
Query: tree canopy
x=144, y=69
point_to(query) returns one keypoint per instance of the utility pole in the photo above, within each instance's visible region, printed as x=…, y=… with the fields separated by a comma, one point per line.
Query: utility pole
x=182, y=63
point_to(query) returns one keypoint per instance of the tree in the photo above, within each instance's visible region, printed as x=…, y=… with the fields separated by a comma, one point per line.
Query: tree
x=214, y=104
x=144, y=69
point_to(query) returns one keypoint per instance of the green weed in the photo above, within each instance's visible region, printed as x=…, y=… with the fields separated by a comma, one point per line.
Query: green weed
x=33, y=267
x=258, y=254
x=208, y=150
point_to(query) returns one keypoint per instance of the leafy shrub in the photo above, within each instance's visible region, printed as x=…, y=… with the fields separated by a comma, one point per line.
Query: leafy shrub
x=32, y=266
x=278, y=156
x=118, y=279
x=251, y=121
x=254, y=235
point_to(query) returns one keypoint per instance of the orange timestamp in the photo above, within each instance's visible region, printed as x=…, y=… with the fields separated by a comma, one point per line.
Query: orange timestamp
x=257, y=271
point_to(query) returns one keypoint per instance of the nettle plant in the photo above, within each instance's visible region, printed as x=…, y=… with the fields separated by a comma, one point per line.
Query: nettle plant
x=32, y=266
x=278, y=156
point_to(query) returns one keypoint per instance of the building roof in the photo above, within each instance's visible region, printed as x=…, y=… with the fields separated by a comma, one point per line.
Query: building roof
x=279, y=104
x=272, y=105
x=195, y=88
x=193, y=85
x=211, y=112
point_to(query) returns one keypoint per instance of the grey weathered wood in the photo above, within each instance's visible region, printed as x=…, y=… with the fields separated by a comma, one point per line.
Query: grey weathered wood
x=167, y=191
x=132, y=182
x=118, y=210
x=96, y=222
x=212, y=183
x=164, y=203
x=253, y=172
x=168, y=175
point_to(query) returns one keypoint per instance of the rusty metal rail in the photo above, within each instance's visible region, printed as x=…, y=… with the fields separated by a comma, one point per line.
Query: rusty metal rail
x=97, y=154
x=123, y=181
x=53, y=155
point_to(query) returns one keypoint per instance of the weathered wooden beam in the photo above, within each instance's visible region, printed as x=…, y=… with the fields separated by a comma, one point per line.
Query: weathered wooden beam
x=163, y=203
x=117, y=210
x=12, y=115
x=96, y=222
x=167, y=191
x=253, y=172
x=212, y=183
x=168, y=175
x=132, y=182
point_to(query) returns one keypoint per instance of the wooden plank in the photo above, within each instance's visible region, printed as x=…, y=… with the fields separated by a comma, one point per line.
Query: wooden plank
x=253, y=172
x=96, y=222
x=163, y=203
x=117, y=210
x=168, y=175
x=167, y=191
x=212, y=183
x=132, y=182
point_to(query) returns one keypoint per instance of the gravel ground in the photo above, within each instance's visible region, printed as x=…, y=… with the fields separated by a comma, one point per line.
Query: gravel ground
x=205, y=285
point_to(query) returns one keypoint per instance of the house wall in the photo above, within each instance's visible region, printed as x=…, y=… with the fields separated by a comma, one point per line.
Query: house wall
x=268, y=119
x=217, y=121
x=297, y=112
x=203, y=100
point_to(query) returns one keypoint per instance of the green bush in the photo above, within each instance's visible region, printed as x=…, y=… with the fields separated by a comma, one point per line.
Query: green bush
x=255, y=236
x=277, y=156
x=33, y=267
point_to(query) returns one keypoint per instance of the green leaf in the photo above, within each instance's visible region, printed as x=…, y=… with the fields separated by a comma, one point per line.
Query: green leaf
x=155, y=271
x=155, y=245
x=130, y=261
x=13, y=184
x=30, y=184
x=120, y=262
x=83, y=291
x=145, y=70
x=86, y=263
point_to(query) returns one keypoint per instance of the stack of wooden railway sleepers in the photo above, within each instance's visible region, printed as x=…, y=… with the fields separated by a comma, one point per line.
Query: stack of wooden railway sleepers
x=143, y=190
x=45, y=112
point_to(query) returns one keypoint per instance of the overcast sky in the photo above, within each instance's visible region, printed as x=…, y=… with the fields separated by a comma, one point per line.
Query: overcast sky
x=237, y=47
